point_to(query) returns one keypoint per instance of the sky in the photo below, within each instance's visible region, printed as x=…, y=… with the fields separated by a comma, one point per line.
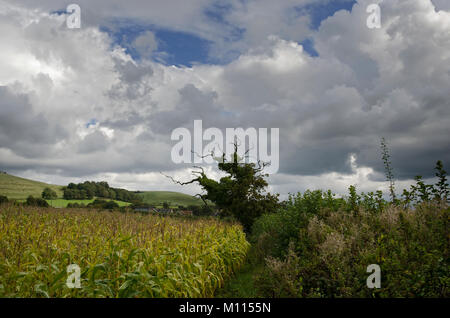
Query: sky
x=100, y=102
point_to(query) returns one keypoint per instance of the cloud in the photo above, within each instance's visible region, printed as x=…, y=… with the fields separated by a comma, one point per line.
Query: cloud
x=232, y=26
x=441, y=5
x=331, y=109
x=145, y=44
x=23, y=130
x=96, y=141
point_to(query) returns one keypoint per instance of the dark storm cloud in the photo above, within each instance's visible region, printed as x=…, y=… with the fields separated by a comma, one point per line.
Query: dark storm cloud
x=23, y=130
x=194, y=104
x=126, y=122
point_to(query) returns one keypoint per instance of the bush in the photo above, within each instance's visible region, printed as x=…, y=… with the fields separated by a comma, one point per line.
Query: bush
x=279, y=279
x=103, y=204
x=49, y=194
x=200, y=210
x=276, y=231
x=3, y=199
x=76, y=205
x=31, y=201
x=330, y=251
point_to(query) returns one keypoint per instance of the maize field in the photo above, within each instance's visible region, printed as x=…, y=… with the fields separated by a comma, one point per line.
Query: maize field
x=118, y=254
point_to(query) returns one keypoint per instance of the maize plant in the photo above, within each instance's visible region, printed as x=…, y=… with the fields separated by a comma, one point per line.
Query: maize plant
x=119, y=255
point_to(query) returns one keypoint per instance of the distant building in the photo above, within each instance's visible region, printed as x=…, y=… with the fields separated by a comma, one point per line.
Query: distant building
x=186, y=212
x=145, y=209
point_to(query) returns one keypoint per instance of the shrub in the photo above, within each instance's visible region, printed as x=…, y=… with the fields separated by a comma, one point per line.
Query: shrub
x=3, y=199
x=333, y=250
x=76, y=205
x=103, y=204
x=31, y=201
x=279, y=278
x=49, y=194
x=281, y=228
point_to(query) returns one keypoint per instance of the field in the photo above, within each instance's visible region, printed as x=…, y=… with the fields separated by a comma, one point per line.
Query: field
x=61, y=203
x=173, y=198
x=119, y=254
x=19, y=188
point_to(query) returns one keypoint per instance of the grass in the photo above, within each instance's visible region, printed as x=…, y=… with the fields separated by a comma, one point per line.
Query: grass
x=20, y=188
x=173, y=198
x=242, y=284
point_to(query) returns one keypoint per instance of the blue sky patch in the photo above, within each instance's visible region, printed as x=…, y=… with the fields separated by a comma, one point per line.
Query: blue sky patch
x=308, y=46
x=174, y=47
x=186, y=49
x=320, y=12
x=91, y=122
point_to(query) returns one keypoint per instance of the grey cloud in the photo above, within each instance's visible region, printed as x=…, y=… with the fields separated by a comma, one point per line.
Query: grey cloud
x=130, y=72
x=441, y=4
x=365, y=84
x=242, y=24
x=126, y=122
x=194, y=104
x=93, y=142
x=131, y=85
x=145, y=44
x=23, y=130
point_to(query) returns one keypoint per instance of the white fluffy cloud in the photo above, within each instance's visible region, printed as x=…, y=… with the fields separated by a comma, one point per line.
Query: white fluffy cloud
x=76, y=106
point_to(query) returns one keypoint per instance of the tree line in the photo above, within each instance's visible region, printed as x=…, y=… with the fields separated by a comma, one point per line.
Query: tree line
x=90, y=189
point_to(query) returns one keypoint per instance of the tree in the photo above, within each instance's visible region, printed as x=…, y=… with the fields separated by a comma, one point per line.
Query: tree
x=3, y=199
x=388, y=169
x=241, y=193
x=421, y=190
x=72, y=186
x=49, y=194
x=353, y=200
x=36, y=202
x=441, y=190
x=200, y=210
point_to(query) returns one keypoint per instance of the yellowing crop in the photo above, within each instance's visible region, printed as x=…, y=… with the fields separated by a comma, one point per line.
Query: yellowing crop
x=120, y=255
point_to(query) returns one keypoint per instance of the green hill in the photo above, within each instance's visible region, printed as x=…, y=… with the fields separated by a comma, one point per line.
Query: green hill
x=173, y=198
x=19, y=188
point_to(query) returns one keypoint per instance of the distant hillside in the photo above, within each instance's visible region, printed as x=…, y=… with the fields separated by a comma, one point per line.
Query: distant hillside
x=173, y=198
x=19, y=188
